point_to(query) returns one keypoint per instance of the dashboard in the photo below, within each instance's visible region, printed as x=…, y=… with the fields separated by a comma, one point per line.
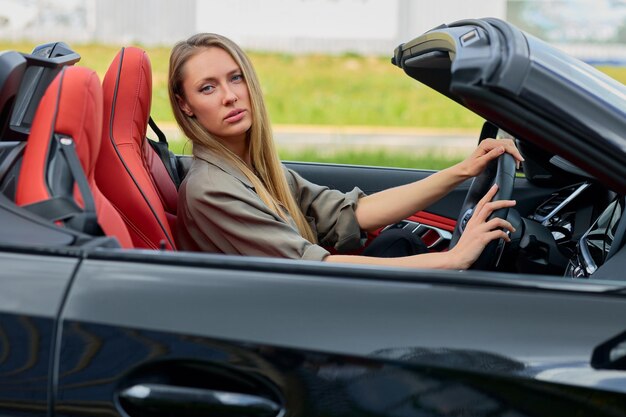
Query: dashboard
x=576, y=230
x=600, y=242
x=582, y=229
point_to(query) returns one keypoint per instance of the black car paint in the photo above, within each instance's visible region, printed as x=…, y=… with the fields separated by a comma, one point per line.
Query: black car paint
x=409, y=382
x=33, y=289
x=352, y=332
x=126, y=321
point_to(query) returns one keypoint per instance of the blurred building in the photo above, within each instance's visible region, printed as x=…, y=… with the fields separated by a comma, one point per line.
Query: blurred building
x=326, y=26
x=361, y=26
x=594, y=31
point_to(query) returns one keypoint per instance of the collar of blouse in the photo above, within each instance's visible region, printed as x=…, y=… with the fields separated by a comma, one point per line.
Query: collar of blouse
x=210, y=156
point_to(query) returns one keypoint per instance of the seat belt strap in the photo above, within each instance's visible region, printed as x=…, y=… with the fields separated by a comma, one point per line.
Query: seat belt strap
x=157, y=130
x=88, y=216
x=54, y=209
x=162, y=149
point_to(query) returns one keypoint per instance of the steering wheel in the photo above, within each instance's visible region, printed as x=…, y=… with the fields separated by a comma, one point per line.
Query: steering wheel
x=502, y=172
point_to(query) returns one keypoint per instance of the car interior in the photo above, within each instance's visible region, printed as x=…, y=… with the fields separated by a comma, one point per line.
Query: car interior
x=77, y=171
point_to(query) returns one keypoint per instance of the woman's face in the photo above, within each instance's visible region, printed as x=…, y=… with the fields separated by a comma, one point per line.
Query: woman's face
x=216, y=94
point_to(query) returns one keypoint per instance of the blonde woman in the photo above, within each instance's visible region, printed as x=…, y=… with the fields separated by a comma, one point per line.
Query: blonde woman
x=238, y=198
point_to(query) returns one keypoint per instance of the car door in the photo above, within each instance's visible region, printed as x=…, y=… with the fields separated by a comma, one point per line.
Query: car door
x=177, y=334
x=374, y=179
x=33, y=286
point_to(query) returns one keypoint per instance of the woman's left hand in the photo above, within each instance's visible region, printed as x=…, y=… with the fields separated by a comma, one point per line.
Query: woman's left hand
x=487, y=150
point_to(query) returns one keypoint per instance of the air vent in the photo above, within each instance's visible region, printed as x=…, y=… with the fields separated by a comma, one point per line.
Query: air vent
x=547, y=207
x=557, y=202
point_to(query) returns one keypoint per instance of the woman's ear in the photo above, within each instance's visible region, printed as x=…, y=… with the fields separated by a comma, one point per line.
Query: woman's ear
x=184, y=106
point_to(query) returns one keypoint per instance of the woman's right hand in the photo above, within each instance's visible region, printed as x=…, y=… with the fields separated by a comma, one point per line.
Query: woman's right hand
x=479, y=231
x=477, y=234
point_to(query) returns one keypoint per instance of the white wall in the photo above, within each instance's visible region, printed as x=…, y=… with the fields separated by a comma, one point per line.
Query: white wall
x=302, y=25
x=335, y=26
x=364, y=26
x=321, y=19
x=429, y=14
x=148, y=22
x=417, y=17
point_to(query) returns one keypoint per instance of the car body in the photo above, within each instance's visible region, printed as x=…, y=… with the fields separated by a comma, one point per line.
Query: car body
x=89, y=329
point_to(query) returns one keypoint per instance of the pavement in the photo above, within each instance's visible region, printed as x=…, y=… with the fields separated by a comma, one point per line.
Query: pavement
x=328, y=139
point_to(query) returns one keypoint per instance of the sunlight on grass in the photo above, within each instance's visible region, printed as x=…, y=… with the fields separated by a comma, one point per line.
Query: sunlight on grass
x=319, y=89
x=322, y=90
x=381, y=157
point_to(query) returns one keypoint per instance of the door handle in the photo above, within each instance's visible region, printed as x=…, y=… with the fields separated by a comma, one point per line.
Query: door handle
x=159, y=398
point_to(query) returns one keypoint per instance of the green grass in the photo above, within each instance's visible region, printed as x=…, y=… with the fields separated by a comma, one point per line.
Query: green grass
x=383, y=158
x=380, y=158
x=325, y=90
x=363, y=91
x=320, y=89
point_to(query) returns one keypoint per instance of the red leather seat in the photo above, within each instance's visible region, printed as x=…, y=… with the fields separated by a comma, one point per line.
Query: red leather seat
x=126, y=159
x=62, y=150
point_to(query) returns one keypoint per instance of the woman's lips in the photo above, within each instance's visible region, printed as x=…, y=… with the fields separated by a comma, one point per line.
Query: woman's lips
x=234, y=116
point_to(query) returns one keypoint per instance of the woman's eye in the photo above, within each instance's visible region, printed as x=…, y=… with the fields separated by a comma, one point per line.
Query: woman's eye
x=237, y=78
x=207, y=89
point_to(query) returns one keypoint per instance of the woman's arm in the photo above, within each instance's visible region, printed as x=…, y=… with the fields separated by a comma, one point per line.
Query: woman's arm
x=395, y=204
x=477, y=234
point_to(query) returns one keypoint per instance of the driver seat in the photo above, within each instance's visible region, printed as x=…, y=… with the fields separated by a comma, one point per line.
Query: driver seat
x=127, y=161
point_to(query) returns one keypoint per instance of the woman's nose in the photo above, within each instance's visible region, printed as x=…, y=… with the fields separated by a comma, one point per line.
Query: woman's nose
x=229, y=96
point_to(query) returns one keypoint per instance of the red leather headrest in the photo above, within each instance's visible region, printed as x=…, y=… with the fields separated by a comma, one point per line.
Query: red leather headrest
x=72, y=106
x=134, y=95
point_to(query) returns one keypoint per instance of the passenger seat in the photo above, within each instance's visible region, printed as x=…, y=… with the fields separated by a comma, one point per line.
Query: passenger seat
x=57, y=177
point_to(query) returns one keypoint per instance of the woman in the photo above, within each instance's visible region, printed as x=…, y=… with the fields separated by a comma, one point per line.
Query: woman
x=238, y=198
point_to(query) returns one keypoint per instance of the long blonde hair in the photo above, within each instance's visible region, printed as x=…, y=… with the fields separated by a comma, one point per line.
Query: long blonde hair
x=270, y=184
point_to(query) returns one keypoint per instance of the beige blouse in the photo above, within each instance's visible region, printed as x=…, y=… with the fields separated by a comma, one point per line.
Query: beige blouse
x=219, y=211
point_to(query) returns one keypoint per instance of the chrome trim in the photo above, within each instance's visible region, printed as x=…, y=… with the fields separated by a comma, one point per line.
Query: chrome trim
x=420, y=229
x=466, y=218
x=545, y=219
x=443, y=234
x=588, y=264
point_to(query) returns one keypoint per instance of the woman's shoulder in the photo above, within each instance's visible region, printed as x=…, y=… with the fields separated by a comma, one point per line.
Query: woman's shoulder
x=205, y=177
x=208, y=180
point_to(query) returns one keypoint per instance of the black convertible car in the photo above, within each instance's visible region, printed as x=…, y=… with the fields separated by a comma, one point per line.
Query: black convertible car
x=90, y=326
